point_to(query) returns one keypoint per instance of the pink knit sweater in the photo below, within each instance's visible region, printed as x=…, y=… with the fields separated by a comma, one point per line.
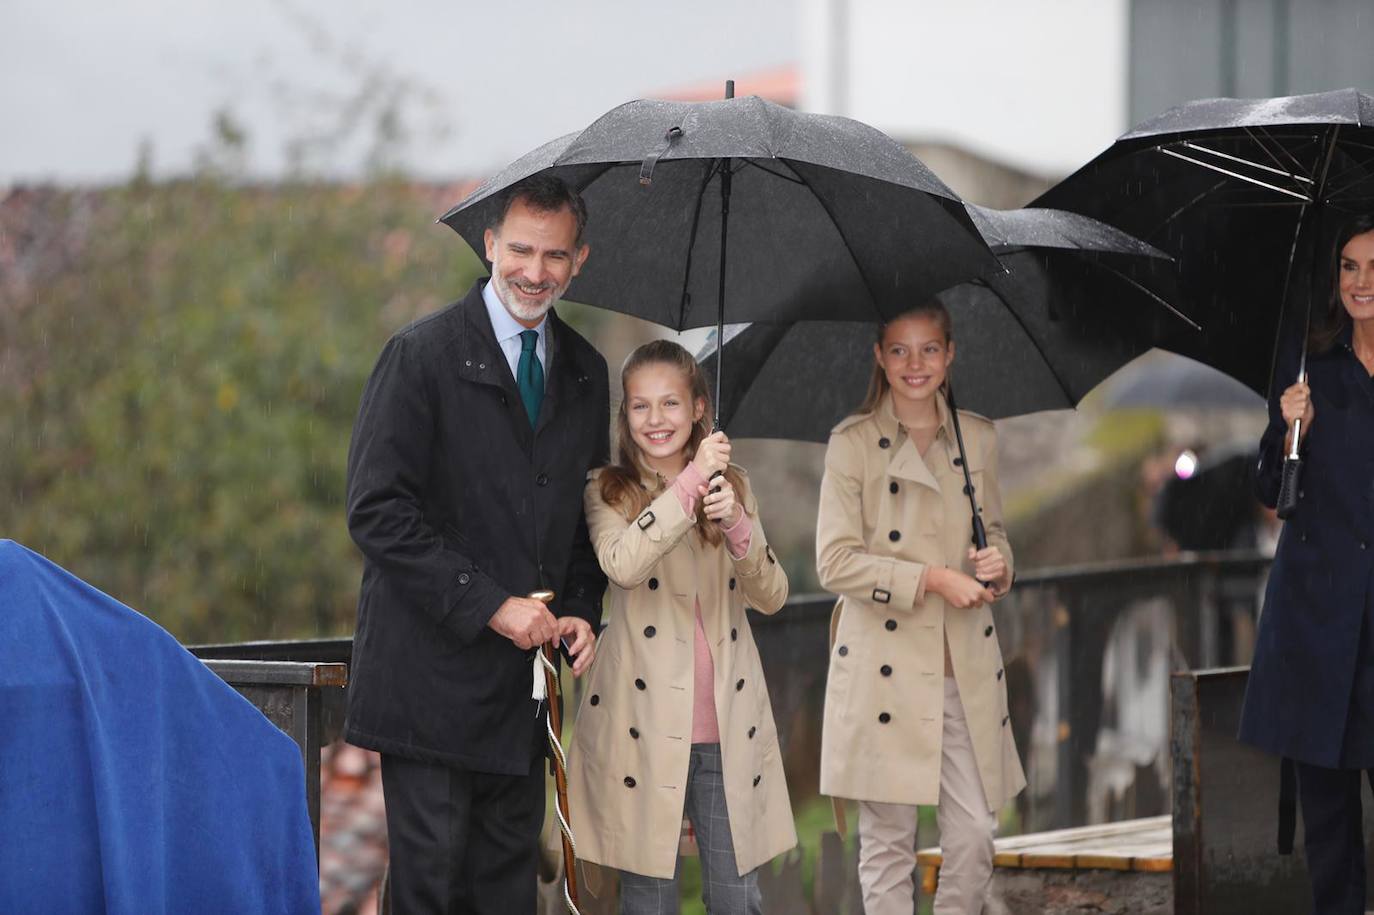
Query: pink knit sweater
x=705, y=727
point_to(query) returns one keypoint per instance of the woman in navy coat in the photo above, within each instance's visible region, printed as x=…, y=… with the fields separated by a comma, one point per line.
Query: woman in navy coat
x=1310, y=697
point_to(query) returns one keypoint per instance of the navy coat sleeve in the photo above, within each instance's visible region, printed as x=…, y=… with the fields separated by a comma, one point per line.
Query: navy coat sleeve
x=388, y=471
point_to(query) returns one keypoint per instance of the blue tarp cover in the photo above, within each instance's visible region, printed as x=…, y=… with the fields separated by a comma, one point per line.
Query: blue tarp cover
x=132, y=779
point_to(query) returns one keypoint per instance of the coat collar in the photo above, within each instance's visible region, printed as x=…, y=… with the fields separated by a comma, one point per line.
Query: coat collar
x=480, y=360
x=907, y=463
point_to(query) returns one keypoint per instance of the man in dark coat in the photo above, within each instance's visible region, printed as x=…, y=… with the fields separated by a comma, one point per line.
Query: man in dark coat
x=465, y=476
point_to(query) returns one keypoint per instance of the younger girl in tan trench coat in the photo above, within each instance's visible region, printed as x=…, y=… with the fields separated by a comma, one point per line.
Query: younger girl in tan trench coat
x=916, y=702
x=675, y=715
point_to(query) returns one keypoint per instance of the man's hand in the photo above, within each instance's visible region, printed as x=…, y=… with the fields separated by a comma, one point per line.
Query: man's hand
x=581, y=641
x=525, y=621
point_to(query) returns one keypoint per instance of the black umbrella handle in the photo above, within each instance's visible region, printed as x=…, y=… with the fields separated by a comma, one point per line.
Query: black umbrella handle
x=980, y=531
x=1288, y=487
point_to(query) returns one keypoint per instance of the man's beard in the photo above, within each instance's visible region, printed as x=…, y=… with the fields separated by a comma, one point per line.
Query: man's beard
x=511, y=298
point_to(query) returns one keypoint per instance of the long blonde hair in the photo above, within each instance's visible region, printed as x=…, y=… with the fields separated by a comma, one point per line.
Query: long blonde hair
x=878, y=384
x=621, y=484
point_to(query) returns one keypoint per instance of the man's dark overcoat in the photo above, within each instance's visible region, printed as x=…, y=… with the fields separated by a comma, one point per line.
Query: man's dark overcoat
x=1310, y=695
x=457, y=504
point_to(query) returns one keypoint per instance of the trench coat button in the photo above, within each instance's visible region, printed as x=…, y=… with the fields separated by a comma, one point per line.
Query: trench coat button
x=734, y=634
x=595, y=700
x=1004, y=721
x=739, y=684
x=542, y=480
x=751, y=733
x=894, y=536
x=884, y=718
x=884, y=442
x=757, y=779
x=844, y=650
x=629, y=781
x=885, y=670
x=732, y=584
x=639, y=684
x=890, y=625
x=464, y=578
x=968, y=490
x=650, y=632
x=892, y=488
x=634, y=732
x=999, y=674
x=958, y=462
x=653, y=584
x=987, y=633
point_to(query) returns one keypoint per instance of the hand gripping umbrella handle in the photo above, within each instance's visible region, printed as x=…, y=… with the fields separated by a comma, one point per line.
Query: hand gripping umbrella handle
x=1292, y=470
x=554, y=726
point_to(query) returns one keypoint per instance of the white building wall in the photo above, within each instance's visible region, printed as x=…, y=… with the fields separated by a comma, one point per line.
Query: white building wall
x=1038, y=84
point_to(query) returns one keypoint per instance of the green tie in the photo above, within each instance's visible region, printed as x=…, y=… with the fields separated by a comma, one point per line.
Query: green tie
x=529, y=375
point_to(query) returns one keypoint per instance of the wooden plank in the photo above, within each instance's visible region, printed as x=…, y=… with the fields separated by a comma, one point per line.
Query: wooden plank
x=1140, y=845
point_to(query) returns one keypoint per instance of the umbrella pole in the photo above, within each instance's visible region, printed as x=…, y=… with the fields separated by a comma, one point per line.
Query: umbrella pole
x=1292, y=461
x=720, y=295
x=980, y=531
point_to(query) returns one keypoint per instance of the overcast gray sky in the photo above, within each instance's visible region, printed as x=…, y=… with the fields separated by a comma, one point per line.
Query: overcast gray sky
x=83, y=83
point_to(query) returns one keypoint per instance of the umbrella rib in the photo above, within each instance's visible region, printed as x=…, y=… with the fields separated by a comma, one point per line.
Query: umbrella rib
x=1020, y=322
x=692, y=244
x=1236, y=175
x=1142, y=288
x=1240, y=160
x=1261, y=139
x=847, y=247
x=1362, y=166
x=770, y=171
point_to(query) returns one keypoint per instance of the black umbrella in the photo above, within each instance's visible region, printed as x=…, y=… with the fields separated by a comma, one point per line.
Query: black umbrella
x=1073, y=307
x=1211, y=506
x=1246, y=193
x=820, y=216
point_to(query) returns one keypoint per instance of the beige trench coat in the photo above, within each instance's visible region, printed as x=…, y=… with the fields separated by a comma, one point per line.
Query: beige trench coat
x=885, y=515
x=627, y=766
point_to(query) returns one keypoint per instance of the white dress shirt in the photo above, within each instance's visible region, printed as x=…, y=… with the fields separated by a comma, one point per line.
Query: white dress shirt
x=508, y=331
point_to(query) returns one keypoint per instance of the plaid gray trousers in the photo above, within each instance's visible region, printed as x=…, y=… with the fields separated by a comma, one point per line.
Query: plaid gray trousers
x=723, y=889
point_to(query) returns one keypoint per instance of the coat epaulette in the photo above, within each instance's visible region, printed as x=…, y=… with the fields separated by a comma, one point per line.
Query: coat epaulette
x=850, y=420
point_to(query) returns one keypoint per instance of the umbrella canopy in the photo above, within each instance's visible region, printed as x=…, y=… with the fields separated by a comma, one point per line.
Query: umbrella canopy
x=1247, y=195
x=828, y=218
x=1214, y=507
x=1037, y=338
x=1170, y=381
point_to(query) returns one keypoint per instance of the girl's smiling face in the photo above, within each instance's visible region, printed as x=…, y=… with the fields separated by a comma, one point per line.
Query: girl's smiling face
x=659, y=406
x=915, y=356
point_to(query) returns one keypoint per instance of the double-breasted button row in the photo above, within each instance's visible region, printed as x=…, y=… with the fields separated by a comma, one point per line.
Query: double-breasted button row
x=844, y=650
x=885, y=670
x=884, y=717
x=894, y=536
x=639, y=684
x=650, y=632
x=629, y=781
x=890, y=625
x=653, y=584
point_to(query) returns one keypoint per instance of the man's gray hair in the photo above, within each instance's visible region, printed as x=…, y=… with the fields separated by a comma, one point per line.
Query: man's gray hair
x=543, y=193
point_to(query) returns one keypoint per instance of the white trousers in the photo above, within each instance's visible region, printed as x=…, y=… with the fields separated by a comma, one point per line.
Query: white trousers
x=887, y=833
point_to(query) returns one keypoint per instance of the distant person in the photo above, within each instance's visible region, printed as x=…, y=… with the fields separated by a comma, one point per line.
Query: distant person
x=1310, y=696
x=916, y=700
x=675, y=716
x=475, y=434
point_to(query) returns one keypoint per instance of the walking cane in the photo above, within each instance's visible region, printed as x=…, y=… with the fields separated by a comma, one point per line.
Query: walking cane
x=554, y=724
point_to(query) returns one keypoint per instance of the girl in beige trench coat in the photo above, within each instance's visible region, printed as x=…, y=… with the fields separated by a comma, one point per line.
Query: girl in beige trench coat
x=915, y=702
x=675, y=715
